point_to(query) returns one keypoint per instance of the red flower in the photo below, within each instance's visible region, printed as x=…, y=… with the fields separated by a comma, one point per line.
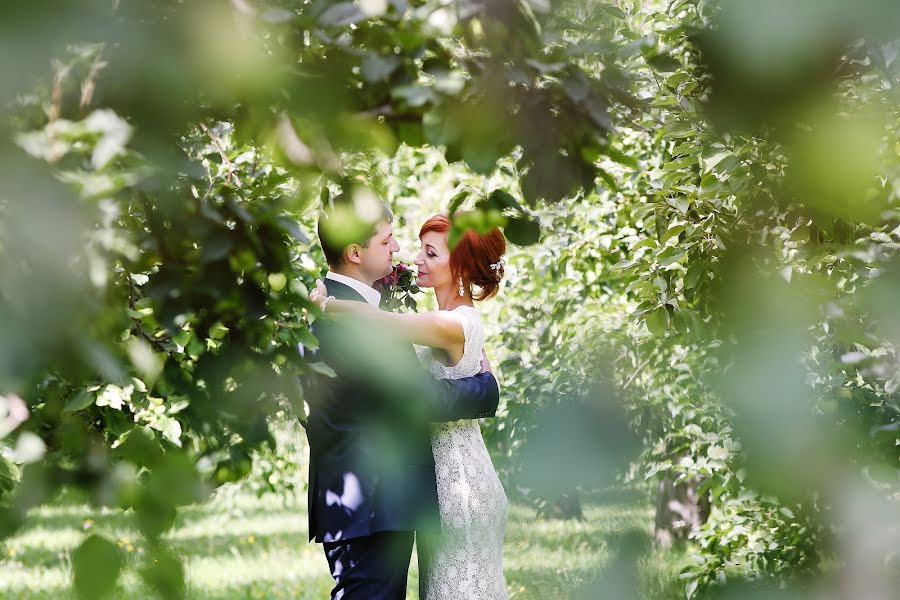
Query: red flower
x=391, y=279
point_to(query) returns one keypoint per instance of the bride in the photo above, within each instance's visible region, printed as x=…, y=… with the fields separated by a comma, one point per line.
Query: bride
x=465, y=562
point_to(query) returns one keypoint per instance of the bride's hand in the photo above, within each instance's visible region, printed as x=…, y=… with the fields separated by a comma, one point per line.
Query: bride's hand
x=319, y=296
x=485, y=363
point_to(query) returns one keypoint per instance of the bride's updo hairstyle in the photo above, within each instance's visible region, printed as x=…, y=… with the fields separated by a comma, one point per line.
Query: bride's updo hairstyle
x=476, y=257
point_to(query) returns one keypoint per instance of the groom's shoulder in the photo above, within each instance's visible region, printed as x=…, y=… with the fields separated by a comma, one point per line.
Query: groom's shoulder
x=342, y=291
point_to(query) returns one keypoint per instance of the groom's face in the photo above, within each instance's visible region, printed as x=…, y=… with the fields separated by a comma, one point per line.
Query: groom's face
x=377, y=257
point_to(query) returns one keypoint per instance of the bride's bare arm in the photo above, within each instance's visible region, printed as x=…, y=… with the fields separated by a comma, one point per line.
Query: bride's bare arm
x=435, y=329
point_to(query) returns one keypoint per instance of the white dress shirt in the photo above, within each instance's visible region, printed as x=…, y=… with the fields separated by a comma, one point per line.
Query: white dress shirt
x=370, y=294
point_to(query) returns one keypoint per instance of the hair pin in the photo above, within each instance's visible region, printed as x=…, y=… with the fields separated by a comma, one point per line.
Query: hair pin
x=495, y=267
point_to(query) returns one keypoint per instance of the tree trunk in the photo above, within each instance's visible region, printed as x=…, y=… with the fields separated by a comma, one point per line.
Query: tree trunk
x=563, y=506
x=680, y=509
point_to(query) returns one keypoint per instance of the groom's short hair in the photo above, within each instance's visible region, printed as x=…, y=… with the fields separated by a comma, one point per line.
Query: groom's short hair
x=340, y=216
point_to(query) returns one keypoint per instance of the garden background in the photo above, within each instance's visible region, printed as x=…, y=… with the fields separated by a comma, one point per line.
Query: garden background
x=696, y=336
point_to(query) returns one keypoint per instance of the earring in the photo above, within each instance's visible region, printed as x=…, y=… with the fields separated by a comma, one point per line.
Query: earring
x=462, y=290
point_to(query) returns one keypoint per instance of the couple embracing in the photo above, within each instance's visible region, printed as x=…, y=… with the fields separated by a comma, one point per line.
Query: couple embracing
x=396, y=453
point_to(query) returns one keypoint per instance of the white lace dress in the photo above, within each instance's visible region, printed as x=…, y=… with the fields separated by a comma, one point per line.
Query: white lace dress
x=468, y=560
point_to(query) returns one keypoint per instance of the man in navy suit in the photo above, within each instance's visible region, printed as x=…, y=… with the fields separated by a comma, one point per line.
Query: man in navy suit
x=372, y=481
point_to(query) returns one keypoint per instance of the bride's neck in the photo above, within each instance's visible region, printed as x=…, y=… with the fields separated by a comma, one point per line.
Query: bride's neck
x=448, y=298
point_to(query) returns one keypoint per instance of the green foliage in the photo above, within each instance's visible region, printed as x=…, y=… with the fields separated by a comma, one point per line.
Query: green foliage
x=9, y=477
x=163, y=572
x=279, y=468
x=748, y=537
x=96, y=563
x=703, y=253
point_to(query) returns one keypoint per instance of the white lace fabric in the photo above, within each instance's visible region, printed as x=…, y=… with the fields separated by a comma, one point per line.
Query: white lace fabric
x=468, y=563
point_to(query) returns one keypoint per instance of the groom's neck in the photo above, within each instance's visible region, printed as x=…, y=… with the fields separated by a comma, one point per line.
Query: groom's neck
x=353, y=273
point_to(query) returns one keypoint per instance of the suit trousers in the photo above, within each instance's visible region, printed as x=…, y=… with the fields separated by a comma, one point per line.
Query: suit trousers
x=373, y=567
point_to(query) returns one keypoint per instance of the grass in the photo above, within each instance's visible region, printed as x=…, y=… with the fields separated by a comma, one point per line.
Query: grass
x=239, y=546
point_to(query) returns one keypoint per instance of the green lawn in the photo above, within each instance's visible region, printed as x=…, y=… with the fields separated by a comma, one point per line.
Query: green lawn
x=240, y=546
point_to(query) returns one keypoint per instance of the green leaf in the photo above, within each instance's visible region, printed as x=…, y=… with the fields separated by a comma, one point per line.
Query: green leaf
x=182, y=338
x=9, y=476
x=728, y=164
x=657, y=322
x=673, y=231
x=670, y=255
x=449, y=82
x=523, y=231
x=376, y=67
x=342, y=13
x=687, y=148
x=680, y=163
x=195, y=347
x=171, y=429
x=677, y=78
x=644, y=243
x=96, y=563
x=663, y=63
x=608, y=179
x=164, y=572
x=709, y=183
x=306, y=337
x=500, y=199
x=613, y=11
x=322, y=369
x=217, y=330
x=715, y=159
x=79, y=401
x=620, y=157
x=680, y=129
x=216, y=247
x=456, y=201
x=694, y=273
x=682, y=205
x=291, y=227
x=413, y=94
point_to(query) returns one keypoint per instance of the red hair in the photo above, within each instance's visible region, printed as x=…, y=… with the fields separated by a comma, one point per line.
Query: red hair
x=473, y=256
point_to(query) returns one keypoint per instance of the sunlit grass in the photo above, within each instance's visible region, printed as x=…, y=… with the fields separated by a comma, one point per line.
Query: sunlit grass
x=242, y=546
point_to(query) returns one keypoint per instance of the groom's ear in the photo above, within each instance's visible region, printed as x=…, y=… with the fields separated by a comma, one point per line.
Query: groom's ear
x=352, y=254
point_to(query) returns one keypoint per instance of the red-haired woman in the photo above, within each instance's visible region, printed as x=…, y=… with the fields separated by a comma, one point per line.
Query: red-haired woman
x=466, y=562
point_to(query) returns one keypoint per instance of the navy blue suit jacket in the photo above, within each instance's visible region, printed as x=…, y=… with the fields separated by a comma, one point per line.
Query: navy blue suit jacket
x=371, y=467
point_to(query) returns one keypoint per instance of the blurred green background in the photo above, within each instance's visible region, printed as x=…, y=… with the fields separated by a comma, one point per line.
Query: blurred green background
x=696, y=336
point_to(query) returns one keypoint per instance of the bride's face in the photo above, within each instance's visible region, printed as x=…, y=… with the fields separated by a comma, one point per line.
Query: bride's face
x=433, y=261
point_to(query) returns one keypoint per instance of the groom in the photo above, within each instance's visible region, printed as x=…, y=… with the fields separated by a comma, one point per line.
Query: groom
x=372, y=480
